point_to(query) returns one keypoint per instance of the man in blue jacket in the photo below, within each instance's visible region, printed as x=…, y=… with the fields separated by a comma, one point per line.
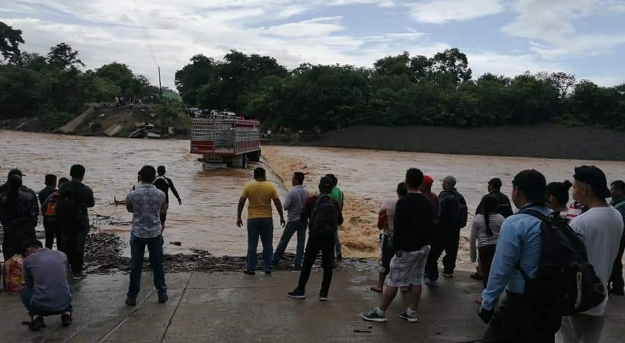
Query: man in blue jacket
x=519, y=246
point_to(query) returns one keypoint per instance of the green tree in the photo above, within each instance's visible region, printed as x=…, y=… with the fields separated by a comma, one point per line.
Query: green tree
x=62, y=56
x=10, y=40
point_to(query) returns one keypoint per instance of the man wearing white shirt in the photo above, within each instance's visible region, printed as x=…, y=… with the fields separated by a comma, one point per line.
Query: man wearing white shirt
x=600, y=229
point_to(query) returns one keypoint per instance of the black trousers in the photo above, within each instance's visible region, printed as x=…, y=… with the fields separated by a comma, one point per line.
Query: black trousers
x=517, y=320
x=52, y=231
x=316, y=244
x=14, y=239
x=445, y=240
x=73, y=245
x=616, y=280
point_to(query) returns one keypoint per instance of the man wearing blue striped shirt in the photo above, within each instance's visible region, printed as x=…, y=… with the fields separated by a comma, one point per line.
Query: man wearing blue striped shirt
x=519, y=246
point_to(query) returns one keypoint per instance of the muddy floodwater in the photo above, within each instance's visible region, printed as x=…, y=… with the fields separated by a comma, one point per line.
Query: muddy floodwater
x=206, y=219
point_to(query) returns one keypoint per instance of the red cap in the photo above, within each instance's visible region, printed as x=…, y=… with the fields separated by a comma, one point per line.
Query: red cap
x=427, y=180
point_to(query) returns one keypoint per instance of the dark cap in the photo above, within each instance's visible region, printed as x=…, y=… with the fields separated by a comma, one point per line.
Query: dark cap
x=532, y=183
x=594, y=177
x=15, y=172
x=326, y=182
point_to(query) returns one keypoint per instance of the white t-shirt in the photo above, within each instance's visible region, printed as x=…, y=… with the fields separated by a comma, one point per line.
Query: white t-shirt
x=600, y=229
x=389, y=207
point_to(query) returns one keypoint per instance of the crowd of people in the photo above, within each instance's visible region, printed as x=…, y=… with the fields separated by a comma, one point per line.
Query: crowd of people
x=417, y=227
x=66, y=219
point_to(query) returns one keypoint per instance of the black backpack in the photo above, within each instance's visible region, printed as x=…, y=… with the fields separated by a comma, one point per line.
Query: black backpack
x=565, y=281
x=457, y=210
x=324, y=218
x=68, y=207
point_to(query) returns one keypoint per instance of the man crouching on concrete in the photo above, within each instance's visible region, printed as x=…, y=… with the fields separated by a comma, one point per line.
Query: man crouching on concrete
x=47, y=292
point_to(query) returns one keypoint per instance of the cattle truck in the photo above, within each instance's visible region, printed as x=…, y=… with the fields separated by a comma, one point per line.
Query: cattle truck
x=225, y=140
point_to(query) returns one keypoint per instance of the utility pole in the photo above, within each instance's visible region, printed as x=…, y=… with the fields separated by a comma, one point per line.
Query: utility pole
x=160, y=88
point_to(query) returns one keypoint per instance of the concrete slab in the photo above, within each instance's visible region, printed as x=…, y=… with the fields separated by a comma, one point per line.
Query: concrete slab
x=233, y=307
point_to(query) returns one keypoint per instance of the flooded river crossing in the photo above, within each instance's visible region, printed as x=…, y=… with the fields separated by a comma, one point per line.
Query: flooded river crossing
x=206, y=219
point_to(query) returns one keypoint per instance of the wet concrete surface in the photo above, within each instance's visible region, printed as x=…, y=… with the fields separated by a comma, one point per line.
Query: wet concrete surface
x=233, y=307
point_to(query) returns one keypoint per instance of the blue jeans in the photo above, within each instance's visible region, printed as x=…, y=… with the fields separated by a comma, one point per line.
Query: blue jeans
x=263, y=228
x=27, y=295
x=137, y=251
x=290, y=229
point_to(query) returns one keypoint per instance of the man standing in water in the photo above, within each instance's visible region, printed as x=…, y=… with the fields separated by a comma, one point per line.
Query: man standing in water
x=73, y=215
x=260, y=193
x=293, y=204
x=164, y=184
x=145, y=203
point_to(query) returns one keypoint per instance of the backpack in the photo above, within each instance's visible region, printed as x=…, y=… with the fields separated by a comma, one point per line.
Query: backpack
x=458, y=212
x=49, y=213
x=13, y=274
x=565, y=281
x=68, y=208
x=323, y=220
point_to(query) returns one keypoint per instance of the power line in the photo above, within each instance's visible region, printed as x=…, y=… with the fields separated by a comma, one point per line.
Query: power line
x=144, y=29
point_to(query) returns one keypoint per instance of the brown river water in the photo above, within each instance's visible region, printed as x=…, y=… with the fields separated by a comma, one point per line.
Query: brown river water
x=206, y=219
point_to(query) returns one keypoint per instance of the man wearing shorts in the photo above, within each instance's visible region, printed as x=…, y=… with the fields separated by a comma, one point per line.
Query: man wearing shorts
x=413, y=224
x=385, y=223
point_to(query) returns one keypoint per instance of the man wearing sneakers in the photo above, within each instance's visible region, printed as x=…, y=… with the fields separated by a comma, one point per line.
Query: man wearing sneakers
x=145, y=204
x=413, y=227
x=600, y=228
x=293, y=204
x=325, y=217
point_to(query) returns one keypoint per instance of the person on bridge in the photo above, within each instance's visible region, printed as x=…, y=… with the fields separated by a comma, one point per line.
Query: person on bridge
x=293, y=204
x=324, y=216
x=18, y=216
x=164, y=184
x=260, y=194
x=73, y=216
x=338, y=195
x=46, y=291
x=413, y=225
x=145, y=204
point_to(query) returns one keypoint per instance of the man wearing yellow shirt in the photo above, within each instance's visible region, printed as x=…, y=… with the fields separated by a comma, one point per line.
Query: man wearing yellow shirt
x=260, y=194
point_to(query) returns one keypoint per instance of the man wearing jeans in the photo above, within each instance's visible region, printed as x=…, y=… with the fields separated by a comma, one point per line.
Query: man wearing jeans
x=293, y=204
x=260, y=193
x=46, y=292
x=145, y=204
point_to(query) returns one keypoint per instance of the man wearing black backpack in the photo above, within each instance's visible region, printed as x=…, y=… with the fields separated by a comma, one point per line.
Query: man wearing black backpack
x=517, y=319
x=600, y=228
x=325, y=216
x=73, y=217
x=452, y=216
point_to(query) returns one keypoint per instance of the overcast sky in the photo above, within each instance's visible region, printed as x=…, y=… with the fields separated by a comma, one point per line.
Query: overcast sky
x=583, y=37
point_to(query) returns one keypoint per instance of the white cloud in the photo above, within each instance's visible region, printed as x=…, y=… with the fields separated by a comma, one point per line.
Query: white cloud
x=308, y=28
x=509, y=64
x=443, y=11
x=550, y=25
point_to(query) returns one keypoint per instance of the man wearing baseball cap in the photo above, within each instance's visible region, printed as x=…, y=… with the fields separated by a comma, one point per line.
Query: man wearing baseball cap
x=5, y=187
x=600, y=229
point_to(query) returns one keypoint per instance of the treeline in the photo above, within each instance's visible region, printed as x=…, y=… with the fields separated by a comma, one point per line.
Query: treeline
x=55, y=85
x=398, y=90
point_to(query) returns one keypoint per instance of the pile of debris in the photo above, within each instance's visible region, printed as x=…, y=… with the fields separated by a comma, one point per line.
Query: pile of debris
x=103, y=255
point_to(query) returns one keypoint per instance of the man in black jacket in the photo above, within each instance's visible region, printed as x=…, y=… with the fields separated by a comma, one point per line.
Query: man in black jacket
x=414, y=222
x=164, y=184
